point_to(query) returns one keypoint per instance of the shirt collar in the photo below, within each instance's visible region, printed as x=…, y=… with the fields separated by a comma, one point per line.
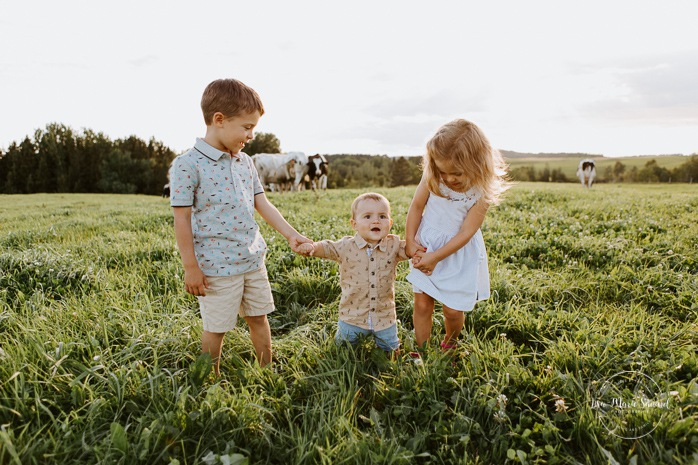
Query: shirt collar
x=207, y=150
x=361, y=243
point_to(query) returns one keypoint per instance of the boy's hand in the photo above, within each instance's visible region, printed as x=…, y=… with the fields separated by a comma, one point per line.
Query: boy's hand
x=296, y=241
x=195, y=281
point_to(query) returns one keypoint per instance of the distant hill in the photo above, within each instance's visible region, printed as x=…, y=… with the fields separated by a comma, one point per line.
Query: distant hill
x=537, y=156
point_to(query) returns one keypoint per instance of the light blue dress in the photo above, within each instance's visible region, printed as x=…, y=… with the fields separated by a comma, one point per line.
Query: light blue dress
x=461, y=279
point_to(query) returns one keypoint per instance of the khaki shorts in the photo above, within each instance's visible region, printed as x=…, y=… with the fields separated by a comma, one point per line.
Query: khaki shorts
x=227, y=297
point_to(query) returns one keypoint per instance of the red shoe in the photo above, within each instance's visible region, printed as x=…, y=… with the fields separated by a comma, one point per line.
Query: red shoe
x=416, y=358
x=447, y=347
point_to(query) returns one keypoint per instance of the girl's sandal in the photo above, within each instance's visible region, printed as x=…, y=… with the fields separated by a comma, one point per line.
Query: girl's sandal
x=416, y=357
x=448, y=347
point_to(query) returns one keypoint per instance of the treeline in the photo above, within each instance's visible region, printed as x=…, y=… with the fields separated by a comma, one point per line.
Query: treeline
x=618, y=172
x=652, y=172
x=59, y=159
x=356, y=171
x=530, y=173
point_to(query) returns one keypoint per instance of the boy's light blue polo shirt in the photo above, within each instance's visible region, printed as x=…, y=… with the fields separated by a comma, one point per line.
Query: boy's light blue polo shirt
x=220, y=188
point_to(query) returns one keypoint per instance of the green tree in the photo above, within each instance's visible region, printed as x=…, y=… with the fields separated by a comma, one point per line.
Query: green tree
x=401, y=172
x=56, y=146
x=263, y=142
x=618, y=171
x=652, y=172
x=556, y=175
x=121, y=173
x=688, y=171
x=92, y=147
x=523, y=173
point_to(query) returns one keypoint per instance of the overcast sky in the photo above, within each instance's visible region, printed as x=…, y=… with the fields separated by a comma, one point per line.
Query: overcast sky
x=605, y=77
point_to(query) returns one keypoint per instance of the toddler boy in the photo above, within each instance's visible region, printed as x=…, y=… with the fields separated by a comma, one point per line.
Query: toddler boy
x=367, y=268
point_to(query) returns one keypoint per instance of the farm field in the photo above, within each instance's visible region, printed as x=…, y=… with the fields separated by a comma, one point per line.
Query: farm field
x=568, y=165
x=586, y=353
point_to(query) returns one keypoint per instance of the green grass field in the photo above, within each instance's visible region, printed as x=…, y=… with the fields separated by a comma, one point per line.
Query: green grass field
x=585, y=353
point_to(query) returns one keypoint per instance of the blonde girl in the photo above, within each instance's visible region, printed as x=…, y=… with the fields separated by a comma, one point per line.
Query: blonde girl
x=463, y=176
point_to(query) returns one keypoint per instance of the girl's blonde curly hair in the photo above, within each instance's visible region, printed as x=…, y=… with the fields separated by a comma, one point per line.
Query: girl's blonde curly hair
x=464, y=145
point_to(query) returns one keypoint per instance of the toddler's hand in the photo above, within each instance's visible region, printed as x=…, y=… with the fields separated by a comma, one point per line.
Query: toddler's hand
x=417, y=257
x=296, y=241
x=306, y=249
x=414, y=248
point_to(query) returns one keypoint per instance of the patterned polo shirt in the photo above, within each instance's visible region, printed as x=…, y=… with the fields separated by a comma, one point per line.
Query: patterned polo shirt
x=220, y=188
x=367, y=280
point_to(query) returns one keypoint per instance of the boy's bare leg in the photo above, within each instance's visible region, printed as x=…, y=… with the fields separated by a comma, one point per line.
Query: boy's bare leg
x=260, y=333
x=212, y=343
x=454, y=321
x=422, y=318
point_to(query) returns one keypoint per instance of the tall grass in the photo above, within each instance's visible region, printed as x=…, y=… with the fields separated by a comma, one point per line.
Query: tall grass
x=99, y=345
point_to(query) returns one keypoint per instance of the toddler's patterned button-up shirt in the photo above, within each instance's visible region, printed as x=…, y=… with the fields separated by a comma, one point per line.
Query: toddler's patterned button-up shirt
x=368, y=290
x=220, y=188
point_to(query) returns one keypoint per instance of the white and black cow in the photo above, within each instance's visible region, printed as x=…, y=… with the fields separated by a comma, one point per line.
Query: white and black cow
x=318, y=169
x=278, y=171
x=586, y=172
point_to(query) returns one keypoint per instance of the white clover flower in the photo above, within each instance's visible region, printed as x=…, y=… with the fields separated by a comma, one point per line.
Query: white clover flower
x=502, y=401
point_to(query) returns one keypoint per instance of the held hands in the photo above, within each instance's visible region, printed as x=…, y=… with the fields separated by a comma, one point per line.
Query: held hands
x=413, y=248
x=306, y=249
x=301, y=245
x=421, y=259
x=425, y=261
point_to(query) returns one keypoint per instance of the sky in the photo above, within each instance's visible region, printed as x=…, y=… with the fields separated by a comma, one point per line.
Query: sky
x=611, y=77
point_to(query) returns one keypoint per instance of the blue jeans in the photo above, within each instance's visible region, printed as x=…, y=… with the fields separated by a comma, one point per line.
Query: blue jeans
x=386, y=339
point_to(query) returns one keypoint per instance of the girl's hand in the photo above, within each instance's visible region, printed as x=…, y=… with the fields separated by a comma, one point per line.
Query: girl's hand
x=427, y=262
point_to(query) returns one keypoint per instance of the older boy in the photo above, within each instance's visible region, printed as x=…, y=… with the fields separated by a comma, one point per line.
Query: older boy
x=215, y=191
x=367, y=268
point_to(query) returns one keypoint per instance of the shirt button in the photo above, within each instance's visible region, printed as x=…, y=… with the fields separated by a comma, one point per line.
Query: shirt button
x=372, y=258
x=372, y=273
x=373, y=285
x=373, y=309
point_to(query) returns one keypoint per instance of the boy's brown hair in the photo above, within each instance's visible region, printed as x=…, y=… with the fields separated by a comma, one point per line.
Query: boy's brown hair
x=230, y=97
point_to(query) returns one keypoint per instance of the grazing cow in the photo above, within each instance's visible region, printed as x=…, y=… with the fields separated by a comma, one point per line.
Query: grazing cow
x=285, y=174
x=278, y=170
x=318, y=168
x=586, y=172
